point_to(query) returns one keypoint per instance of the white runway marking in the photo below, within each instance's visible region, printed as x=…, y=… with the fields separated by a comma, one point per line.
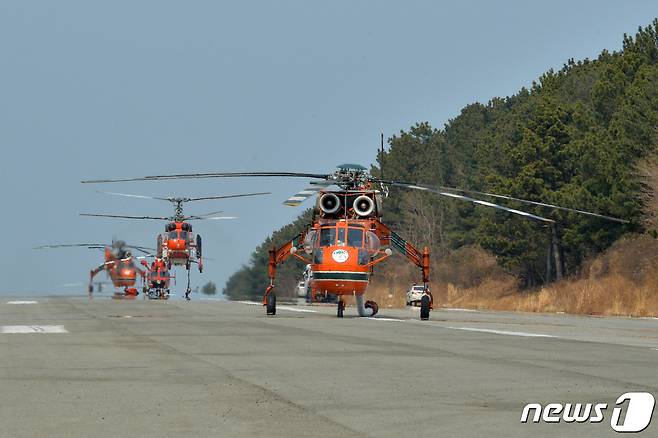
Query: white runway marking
x=503, y=332
x=22, y=302
x=384, y=319
x=457, y=309
x=6, y=329
x=294, y=309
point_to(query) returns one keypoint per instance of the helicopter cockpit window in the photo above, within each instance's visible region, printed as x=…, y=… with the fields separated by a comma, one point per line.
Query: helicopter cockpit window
x=183, y=235
x=327, y=236
x=355, y=237
x=173, y=235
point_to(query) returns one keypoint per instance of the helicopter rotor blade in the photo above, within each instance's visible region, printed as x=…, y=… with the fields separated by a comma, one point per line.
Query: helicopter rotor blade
x=242, y=195
x=128, y=195
x=125, y=217
x=212, y=213
x=473, y=200
x=74, y=245
x=211, y=175
x=142, y=249
x=303, y=195
x=540, y=204
x=212, y=218
x=174, y=199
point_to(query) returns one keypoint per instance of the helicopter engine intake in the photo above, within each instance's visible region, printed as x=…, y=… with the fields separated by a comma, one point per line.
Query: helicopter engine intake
x=330, y=203
x=364, y=206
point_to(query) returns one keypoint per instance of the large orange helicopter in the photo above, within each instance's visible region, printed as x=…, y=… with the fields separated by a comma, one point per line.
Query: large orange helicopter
x=119, y=265
x=178, y=245
x=346, y=237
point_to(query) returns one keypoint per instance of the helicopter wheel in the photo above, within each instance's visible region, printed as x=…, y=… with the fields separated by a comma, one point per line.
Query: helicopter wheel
x=271, y=304
x=425, y=308
x=341, y=308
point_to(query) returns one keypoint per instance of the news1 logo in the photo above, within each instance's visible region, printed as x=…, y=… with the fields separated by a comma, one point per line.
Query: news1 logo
x=638, y=412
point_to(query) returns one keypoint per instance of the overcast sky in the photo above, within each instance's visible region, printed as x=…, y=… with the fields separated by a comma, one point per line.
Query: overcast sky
x=127, y=88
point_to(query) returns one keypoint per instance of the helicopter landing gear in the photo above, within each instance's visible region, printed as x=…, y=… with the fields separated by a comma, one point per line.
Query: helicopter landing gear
x=271, y=304
x=270, y=300
x=340, y=308
x=425, y=307
x=188, y=290
x=372, y=305
x=369, y=308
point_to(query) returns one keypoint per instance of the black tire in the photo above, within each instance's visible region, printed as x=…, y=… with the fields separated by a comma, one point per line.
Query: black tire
x=425, y=308
x=271, y=304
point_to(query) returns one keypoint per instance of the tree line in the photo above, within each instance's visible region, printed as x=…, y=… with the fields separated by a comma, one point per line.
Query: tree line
x=574, y=138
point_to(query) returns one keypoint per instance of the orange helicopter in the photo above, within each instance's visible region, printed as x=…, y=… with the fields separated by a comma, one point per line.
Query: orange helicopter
x=158, y=279
x=119, y=265
x=178, y=245
x=345, y=240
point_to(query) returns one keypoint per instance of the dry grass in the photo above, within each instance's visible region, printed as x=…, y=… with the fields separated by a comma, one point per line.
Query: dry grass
x=622, y=281
x=613, y=295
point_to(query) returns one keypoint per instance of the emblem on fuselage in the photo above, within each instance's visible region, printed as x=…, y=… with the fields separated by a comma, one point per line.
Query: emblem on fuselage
x=340, y=255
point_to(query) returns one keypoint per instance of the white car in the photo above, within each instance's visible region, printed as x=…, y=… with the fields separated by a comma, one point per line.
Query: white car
x=415, y=294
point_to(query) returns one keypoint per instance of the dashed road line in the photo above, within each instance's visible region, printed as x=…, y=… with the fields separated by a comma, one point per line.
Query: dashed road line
x=293, y=309
x=22, y=329
x=502, y=332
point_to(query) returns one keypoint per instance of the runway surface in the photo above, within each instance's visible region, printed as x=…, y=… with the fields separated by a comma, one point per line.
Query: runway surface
x=70, y=367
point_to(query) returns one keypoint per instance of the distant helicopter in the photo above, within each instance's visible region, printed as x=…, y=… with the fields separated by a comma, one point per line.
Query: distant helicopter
x=178, y=245
x=346, y=237
x=119, y=264
x=158, y=279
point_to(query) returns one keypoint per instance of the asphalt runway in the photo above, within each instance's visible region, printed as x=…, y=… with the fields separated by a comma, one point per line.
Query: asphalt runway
x=70, y=367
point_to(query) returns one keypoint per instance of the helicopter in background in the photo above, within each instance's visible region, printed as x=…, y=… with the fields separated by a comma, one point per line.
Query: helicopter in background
x=158, y=279
x=347, y=237
x=119, y=265
x=178, y=245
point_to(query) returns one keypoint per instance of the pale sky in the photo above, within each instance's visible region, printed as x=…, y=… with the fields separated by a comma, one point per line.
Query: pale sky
x=94, y=89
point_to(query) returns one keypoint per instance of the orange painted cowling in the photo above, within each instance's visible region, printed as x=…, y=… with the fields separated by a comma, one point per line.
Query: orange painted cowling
x=339, y=271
